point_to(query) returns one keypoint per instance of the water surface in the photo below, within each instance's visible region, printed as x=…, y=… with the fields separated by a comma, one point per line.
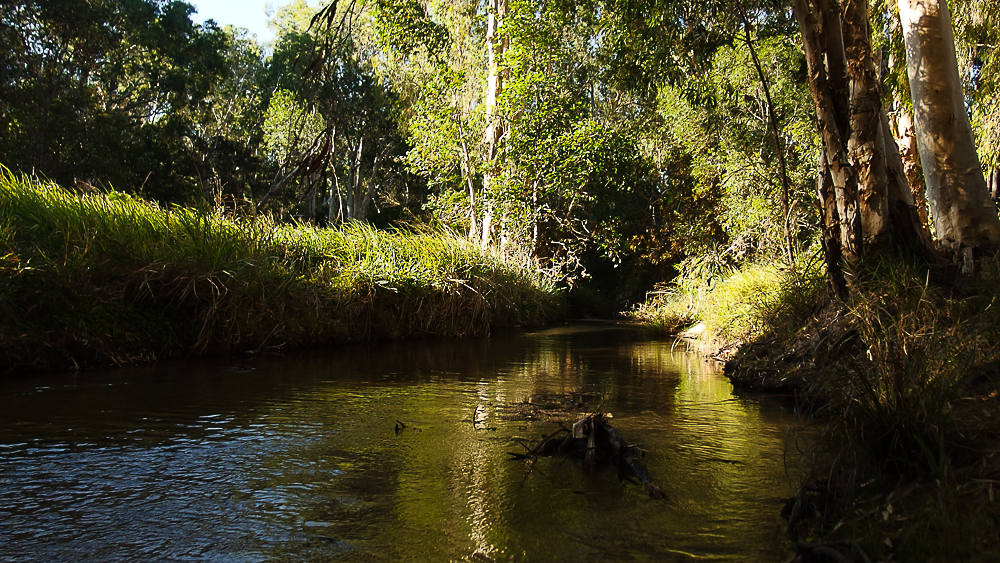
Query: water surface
x=298, y=458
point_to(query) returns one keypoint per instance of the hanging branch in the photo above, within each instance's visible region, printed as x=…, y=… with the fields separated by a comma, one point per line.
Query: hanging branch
x=330, y=27
x=311, y=162
x=779, y=148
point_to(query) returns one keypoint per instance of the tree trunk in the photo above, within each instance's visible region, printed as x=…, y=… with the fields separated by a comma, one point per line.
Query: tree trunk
x=832, y=248
x=909, y=153
x=864, y=196
x=866, y=145
x=354, y=183
x=496, y=46
x=335, y=185
x=467, y=174
x=823, y=44
x=484, y=242
x=368, y=190
x=964, y=215
x=910, y=226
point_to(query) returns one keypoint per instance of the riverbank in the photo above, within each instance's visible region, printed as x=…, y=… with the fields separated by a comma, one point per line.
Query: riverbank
x=109, y=279
x=904, y=377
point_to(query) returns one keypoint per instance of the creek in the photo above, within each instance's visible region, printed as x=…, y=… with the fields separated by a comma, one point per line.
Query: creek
x=298, y=458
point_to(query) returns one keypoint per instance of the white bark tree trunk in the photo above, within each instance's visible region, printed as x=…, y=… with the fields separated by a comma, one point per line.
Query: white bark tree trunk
x=861, y=185
x=964, y=215
x=496, y=46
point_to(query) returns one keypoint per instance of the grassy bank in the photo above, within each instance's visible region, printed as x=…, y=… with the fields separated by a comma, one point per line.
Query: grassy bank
x=903, y=380
x=111, y=279
x=729, y=308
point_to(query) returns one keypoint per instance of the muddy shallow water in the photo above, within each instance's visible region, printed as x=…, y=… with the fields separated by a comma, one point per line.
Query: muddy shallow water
x=298, y=458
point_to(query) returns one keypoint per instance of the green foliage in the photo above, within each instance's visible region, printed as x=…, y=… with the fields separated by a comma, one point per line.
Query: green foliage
x=93, y=279
x=344, y=122
x=583, y=183
x=102, y=91
x=446, y=147
x=289, y=128
x=406, y=26
x=722, y=122
x=226, y=123
x=978, y=42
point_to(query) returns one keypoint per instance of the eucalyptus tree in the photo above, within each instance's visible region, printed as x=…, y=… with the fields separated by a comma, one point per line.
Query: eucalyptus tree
x=497, y=74
x=964, y=214
x=293, y=138
x=867, y=202
x=977, y=38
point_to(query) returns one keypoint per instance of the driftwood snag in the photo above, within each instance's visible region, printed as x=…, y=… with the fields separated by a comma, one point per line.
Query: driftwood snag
x=595, y=441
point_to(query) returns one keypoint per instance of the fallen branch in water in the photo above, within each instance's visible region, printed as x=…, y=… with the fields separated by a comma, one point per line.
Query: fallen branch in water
x=594, y=440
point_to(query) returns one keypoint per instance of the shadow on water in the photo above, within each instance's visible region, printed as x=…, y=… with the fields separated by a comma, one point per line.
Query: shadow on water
x=297, y=459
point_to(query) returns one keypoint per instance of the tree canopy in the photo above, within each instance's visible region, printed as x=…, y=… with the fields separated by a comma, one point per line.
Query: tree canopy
x=615, y=141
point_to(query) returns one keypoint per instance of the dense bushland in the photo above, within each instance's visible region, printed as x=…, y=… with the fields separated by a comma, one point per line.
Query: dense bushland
x=110, y=278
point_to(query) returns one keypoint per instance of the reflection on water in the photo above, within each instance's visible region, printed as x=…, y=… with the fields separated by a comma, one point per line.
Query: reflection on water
x=298, y=459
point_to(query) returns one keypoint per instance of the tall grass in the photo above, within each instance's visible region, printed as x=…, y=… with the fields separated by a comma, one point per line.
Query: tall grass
x=93, y=279
x=911, y=415
x=733, y=305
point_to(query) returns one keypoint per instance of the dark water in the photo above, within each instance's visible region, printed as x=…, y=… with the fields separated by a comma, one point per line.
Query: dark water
x=298, y=460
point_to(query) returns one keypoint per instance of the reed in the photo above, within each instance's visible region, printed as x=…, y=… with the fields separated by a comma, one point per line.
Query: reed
x=110, y=278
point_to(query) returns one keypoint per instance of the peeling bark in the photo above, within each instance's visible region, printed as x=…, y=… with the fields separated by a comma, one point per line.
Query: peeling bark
x=911, y=229
x=906, y=139
x=964, y=215
x=865, y=144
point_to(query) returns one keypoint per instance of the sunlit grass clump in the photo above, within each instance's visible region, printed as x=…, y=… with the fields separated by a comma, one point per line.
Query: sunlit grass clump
x=110, y=278
x=732, y=306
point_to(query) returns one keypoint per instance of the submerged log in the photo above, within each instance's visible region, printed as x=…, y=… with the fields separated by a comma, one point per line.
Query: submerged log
x=595, y=441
